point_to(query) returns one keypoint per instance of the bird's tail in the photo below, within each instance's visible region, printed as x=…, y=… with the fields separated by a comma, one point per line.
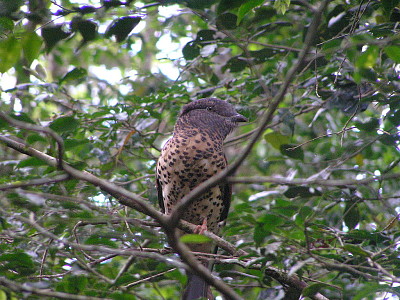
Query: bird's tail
x=197, y=288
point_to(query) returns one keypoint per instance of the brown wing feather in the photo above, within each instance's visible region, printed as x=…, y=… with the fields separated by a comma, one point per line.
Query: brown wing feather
x=226, y=189
x=159, y=192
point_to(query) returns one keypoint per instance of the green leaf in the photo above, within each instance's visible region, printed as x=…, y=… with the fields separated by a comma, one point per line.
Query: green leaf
x=270, y=221
x=98, y=240
x=75, y=284
x=30, y=162
x=394, y=117
x=372, y=289
x=276, y=139
x=31, y=44
x=331, y=45
x=236, y=64
x=292, y=151
x=8, y=7
x=87, y=28
x=389, y=139
x=123, y=296
x=261, y=56
x=388, y=5
x=52, y=34
x=351, y=214
x=301, y=191
x=369, y=126
x=64, y=124
x=6, y=25
x=121, y=27
x=125, y=279
x=10, y=52
x=226, y=5
x=312, y=289
x=199, y=4
x=72, y=143
x=24, y=117
x=226, y=21
x=191, y=50
x=205, y=35
x=368, y=58
x=194, y=239
x=75, y=74
x=393, y=52
x=281, y=5
x=18, y=262
x=363, y=235
x=356, y=250
x=246, y=7
x=302, y=215
x=260, y=233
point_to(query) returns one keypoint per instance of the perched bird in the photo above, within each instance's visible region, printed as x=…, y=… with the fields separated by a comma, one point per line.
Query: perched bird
x=194, y=154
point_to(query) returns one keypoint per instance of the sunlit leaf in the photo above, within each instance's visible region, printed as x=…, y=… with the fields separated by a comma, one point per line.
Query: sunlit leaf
x=31, y=46
x=276, y=139
x=10, y=51
x=194, y=238
x=246, y=7
x=75, y=74
x=393, y=52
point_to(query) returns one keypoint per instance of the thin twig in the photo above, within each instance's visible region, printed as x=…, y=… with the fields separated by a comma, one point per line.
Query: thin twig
x=33, y=182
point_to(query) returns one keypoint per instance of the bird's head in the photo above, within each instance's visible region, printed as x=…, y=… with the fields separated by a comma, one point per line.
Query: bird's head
x=211, y=114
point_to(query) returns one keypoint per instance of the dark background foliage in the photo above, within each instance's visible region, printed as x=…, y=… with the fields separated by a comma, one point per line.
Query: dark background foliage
x=316, y=200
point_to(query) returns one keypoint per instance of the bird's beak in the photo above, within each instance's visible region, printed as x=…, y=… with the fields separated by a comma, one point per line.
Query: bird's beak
x=239, y=118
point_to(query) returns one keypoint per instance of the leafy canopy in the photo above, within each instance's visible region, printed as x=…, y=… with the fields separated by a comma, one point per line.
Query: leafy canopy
x=316, y=201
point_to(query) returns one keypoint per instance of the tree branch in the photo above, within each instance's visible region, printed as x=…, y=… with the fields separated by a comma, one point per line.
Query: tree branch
x=319, y=182
x=25, y=288
x=39, y=181
x=124, y=196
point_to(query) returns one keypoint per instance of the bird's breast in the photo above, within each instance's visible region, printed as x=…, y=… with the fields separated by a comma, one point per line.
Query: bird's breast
x=186, y=162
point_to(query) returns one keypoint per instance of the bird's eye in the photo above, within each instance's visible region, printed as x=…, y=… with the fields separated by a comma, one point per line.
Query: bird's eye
x=209, y=108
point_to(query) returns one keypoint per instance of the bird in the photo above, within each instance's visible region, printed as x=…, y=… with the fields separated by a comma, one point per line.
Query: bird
x=192, y=155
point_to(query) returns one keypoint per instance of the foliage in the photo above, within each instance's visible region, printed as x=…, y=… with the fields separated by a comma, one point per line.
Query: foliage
x=317, y=198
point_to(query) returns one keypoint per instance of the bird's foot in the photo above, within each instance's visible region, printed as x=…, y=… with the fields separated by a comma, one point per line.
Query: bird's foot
x=200, y=229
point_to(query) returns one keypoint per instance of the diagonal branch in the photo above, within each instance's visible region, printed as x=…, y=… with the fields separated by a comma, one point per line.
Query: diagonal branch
x=124, y=196
x=265, y=120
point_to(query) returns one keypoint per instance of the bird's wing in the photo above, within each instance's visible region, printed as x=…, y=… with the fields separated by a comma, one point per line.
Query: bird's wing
x=159, y=193
x=226, y=190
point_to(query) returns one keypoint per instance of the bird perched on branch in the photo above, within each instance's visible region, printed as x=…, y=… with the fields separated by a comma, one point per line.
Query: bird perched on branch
x=194, y=154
